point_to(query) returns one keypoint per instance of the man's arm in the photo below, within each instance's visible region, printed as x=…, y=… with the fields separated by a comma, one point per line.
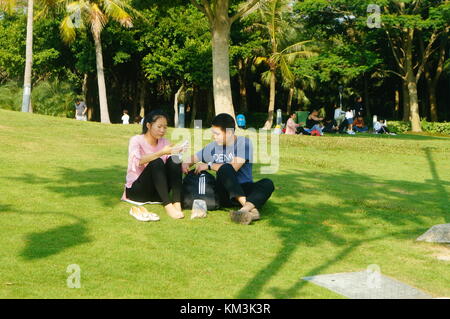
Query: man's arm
x=315, y=118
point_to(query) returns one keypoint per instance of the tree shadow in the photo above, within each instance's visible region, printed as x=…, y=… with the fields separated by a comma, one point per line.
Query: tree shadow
x=101, y=183
x=438, y=184
x=105, y=184
x=360, y=203
x=408, y=137
x=54, y=241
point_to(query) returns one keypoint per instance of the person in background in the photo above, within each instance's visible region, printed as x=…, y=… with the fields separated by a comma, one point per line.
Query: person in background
x=359, y=126
x=240, y=120
x=339, y=115
x=80, y=110
x=380, y=127
x=188, y=116
x=349, y=114
x=125, y=117
x=291, y=126
x=313, y=122
x=137, y=119
x=330, y=127
x=359, y=107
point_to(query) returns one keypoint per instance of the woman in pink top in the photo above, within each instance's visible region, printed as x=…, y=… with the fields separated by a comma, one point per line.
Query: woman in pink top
x=151, y=171
x=291, y=126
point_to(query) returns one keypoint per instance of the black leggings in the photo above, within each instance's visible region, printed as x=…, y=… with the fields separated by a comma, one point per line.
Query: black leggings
x=228, y=188
x=156, y=181
x=383, y=130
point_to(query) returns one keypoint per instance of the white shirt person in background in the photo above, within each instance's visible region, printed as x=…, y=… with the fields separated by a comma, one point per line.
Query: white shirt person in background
x=125, y=117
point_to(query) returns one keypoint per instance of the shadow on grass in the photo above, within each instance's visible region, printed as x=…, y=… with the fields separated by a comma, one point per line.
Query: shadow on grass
x=54, y=241
x=409, y=137
x=360, y=204
x=105, y=184
x=438, y=184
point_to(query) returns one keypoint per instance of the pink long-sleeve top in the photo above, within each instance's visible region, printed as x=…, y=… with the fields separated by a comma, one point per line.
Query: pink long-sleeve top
x=291, y=126
x=137, y=148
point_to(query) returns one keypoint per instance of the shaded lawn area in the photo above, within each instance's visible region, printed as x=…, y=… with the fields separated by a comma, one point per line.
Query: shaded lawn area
x=341, y=204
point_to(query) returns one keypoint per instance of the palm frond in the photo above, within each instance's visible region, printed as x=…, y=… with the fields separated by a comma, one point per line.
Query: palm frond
x=299, y=46
x=7, y=5
x=291, y=57
x=97, y=19
x=286, y=71
x=115, y=10
x=50, y=6
x=260, y=59
x=67, y=30
x=265, y=77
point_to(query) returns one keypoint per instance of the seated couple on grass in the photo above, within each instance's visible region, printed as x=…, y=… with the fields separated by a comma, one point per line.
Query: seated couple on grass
x=152, y=173
x=314, y=124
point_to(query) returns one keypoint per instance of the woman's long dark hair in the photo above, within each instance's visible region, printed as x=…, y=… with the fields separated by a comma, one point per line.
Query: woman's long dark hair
x=152, y=117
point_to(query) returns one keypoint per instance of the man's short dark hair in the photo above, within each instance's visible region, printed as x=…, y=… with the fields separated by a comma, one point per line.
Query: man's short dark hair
x=224, y=121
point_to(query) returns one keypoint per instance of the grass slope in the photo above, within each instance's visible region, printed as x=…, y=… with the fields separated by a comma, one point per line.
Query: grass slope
x=341, y=204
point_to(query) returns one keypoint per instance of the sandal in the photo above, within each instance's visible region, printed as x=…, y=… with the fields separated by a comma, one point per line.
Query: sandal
x=152, y=216
x=139, y=215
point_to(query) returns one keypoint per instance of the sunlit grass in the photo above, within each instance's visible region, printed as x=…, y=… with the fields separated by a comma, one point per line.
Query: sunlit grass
x=341, y=203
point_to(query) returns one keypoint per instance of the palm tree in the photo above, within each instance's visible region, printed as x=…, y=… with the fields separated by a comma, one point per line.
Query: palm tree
x=9, y=5
x=280, y=54
x=218, y=14
x=95, y=13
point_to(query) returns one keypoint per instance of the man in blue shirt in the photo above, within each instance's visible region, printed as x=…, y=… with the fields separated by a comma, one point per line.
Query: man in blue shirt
x=231, y=157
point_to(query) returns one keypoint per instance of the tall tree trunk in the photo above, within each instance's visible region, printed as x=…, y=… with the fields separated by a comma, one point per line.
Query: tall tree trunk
x=175, y=105
x=406, y=107
x=269, y=121
x=28, y=59
x=104, y=112
x=432, y=82
x=84, y=88
x=414, y=104
x=397, y=104
x=289, y=101
x=411, y=81
x=433, y=102
x=221, y=59
x=195, y=96
x=142, y=91
x=242, y=87
x=210, y=102
x=366, y=96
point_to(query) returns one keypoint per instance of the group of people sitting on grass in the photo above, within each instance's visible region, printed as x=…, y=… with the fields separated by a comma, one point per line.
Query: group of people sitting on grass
x=350, y=121
x=155, y=170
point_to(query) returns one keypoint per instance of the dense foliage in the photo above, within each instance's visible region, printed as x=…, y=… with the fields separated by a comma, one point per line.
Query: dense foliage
x=169, y=50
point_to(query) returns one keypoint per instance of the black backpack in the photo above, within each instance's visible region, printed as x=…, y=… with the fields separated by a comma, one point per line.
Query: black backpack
x=201, y=186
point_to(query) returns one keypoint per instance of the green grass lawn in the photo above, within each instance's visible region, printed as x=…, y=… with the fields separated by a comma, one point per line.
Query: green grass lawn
x=341, y=204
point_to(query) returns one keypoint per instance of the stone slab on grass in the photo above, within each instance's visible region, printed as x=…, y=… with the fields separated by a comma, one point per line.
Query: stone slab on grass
x=367, y=285
x=437, y=234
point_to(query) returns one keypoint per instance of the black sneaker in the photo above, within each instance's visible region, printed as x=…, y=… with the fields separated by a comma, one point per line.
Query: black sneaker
x=239, y=217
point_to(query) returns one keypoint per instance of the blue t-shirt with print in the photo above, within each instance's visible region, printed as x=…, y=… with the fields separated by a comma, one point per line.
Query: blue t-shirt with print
x=222, y=154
